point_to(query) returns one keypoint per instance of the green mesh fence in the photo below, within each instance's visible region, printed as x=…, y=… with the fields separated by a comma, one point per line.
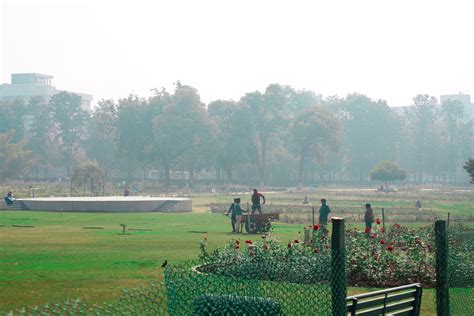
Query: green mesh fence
x=187, y=288
x=460, y=271
x=454, y=269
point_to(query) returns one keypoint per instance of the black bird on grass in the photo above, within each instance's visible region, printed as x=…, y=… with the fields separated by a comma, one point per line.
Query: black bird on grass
x=164, y=264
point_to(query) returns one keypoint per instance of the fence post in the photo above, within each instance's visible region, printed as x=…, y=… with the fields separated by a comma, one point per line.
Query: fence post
x=383, y=218
x=338, y=268
x=313, y=215
x=442, y=285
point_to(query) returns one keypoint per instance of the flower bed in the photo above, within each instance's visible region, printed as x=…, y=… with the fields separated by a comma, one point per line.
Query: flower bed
x=375, y=258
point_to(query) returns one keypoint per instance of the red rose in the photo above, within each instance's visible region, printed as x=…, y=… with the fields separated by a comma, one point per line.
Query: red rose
x=252, y=253
x=316, y=226
x=248, y=242
x=390, y=248
x=378, y=221
x=382, y=242
x=396, y=225
x=382, y=230
x=367, y=229
x=297, y=241
x=266, y=246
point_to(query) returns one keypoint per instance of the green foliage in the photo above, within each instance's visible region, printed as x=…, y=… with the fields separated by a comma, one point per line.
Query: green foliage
x=387, y=171
x=15, y=159
x=469, y=167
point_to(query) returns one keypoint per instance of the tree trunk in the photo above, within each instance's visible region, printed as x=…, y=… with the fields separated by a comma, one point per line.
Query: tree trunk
x=301, y=167
x=167, y=173
x=262, y=165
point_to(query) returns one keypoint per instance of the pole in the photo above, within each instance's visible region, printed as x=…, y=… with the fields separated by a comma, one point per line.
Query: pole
x=313, y=215
x=442, y=286
x=449, y=215
x=383, y=218
x=338, y=270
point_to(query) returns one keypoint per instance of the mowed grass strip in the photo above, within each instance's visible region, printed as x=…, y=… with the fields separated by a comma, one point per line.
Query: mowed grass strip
x=58, y=259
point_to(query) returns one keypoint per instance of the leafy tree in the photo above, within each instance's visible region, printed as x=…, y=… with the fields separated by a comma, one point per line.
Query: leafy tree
x=101, y=143
x=469, y=167
x=453, y=114
x=369, y=132
x=131, y=132
x=12, y=115
x=268, y=117
x=234, y=135
x=14, y=157
x=387, y=171
x=69, y=123
x=39, y=135
x=181, y=131
x=420, y=116
x=315, y=128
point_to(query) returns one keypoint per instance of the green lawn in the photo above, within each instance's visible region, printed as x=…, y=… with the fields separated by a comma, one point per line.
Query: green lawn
x=58, y=259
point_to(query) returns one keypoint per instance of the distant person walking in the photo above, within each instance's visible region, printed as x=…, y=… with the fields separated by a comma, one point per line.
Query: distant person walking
x=418, y=205
x=368, y=217
x=256, y=205
x=126, y=192
x=324, y=211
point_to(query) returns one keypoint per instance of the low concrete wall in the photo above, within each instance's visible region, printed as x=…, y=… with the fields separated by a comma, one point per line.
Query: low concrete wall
x=108, y=204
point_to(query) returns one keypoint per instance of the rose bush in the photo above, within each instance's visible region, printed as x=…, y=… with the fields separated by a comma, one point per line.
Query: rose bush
x=376, y=258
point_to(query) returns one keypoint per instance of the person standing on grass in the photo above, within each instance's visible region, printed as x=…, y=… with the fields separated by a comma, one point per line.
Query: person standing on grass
x=324, y=211
x=238, y=215
x=256, y=205
x=368, y=217
x=233, y=216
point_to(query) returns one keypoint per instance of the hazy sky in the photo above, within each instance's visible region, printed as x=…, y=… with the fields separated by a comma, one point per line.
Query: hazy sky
x=386, y=49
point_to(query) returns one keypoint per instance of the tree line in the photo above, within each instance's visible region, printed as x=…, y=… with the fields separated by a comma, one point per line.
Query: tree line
x=279, y=137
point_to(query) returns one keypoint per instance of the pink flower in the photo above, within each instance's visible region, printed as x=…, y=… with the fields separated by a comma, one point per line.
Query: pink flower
x=382, y=242
x=252, y=253
x=382, y=230
x=396, y=225
x=265, y=246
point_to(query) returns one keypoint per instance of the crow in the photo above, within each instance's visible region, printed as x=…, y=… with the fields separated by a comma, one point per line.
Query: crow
x=164, y=264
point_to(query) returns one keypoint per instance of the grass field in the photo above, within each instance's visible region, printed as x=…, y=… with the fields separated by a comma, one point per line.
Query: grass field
x=59, y=259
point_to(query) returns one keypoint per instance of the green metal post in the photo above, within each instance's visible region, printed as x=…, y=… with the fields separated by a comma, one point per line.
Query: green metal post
x=338, y=268
x=313, y=215
x=383, y=218
x=442, y=285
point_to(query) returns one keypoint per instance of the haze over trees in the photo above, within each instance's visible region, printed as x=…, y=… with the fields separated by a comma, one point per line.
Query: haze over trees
x=277, y=137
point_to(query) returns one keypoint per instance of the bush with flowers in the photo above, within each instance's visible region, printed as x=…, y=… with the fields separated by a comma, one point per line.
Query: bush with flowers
x=374, y=257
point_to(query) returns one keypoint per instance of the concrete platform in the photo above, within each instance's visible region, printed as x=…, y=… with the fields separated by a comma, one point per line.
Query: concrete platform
x=108, y=204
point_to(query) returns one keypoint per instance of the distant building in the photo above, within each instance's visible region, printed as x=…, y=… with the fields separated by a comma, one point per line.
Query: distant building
x=27, y=85
x=464, y=99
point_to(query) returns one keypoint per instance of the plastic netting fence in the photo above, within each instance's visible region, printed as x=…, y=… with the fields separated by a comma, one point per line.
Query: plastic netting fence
x=454, y=270
x=186, y=291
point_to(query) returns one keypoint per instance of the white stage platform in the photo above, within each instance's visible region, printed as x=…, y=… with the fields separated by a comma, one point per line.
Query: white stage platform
x=107, y=204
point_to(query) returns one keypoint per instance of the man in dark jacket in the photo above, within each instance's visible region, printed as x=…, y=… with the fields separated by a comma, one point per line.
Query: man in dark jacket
x=324, y=211
x=256, y=205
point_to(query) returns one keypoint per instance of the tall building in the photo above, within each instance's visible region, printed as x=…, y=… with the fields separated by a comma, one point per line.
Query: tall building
x=27, y=85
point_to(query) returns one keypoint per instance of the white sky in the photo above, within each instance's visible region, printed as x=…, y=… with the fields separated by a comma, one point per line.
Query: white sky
x=386, y=49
